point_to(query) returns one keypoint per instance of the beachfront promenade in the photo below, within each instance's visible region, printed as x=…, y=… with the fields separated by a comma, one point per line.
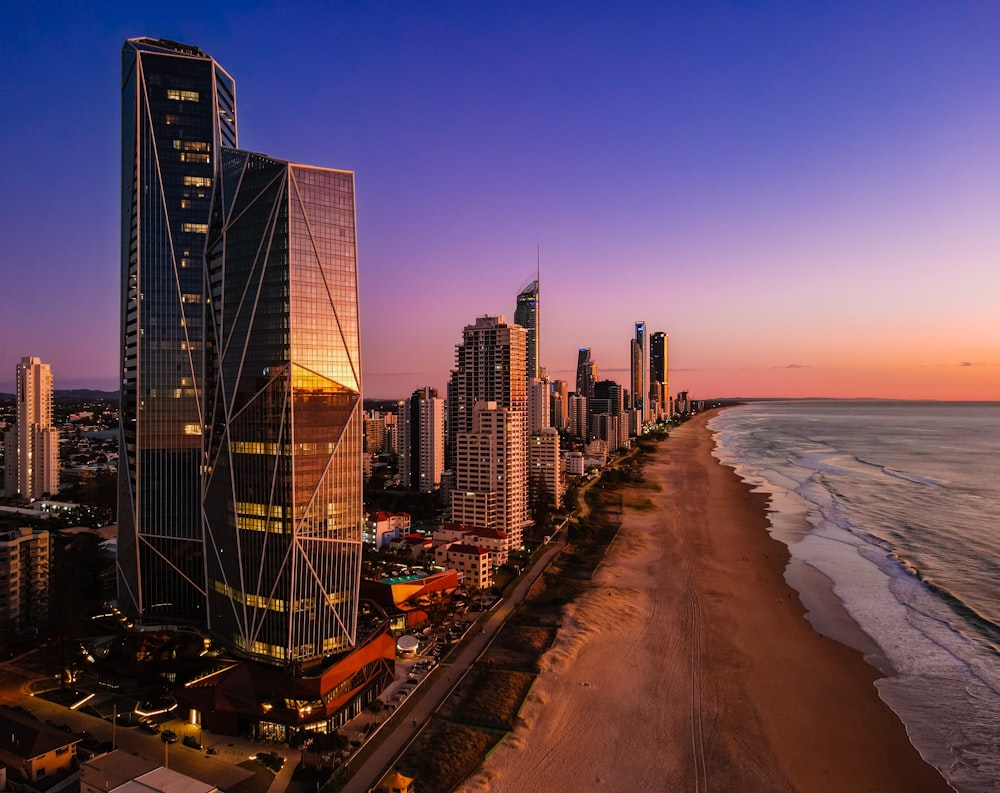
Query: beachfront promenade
x=398, y=731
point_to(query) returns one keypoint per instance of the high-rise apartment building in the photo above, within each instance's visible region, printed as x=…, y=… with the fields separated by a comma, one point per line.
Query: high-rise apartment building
x=638, y=370
x=578, y=423
x=178, y=109
x=559, y=404
x=487, y=397
x=539, y=404
x=421, y=440
x=31, y=450
x=489, y=366
x=25, y=556
x=545, y=462
x=282, y=394
x=526, y=315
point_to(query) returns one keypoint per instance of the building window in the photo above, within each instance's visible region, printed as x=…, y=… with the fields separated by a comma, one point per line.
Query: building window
x=195, y=228
x=182, y=96
x=190, y=145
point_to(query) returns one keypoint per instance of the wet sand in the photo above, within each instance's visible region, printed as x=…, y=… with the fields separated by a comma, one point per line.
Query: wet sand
x=690, y=665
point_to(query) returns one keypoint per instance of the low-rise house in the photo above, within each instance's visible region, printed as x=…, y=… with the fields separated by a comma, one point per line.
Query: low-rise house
x=416, y=544
x=495, y=541
x=383, y=527
x=32, y=750
x=473, y=563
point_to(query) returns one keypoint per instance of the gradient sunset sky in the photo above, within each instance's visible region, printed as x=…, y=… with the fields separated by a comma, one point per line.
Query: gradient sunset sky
x=804, y=196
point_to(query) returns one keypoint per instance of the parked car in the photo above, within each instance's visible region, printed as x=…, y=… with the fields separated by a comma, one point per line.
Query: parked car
x=150, y=726
x=168, y=736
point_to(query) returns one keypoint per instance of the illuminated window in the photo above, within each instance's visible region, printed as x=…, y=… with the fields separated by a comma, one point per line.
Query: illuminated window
x=187, y=156
x=190, y=145
x=198, y=181
x=195, y=228
x=182, y=96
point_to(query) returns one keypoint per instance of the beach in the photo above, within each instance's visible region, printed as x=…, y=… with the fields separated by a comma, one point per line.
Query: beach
x=689, y=664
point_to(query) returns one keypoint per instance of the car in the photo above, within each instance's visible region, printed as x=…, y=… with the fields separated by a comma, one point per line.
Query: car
x=150, y=726
x=168, y=736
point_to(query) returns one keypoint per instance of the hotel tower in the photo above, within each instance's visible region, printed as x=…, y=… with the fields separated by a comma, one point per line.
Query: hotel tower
x=421, y=440
x=178, y=110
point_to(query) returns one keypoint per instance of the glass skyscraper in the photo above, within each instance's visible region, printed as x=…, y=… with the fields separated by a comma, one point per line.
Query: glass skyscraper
x=526, y=315
x=283, y=478
x=178, y=109
x=637, y=349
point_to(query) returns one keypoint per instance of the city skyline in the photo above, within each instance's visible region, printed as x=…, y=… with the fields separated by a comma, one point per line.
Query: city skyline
x=801, y=198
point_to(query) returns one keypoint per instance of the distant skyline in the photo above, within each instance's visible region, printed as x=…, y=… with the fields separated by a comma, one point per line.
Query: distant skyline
x=802, y=196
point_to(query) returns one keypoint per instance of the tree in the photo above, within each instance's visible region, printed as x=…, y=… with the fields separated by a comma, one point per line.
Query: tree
x=541, y=504
x=375, y=707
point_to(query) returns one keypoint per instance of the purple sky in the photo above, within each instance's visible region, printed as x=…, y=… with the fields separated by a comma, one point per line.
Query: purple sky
x=804, y=196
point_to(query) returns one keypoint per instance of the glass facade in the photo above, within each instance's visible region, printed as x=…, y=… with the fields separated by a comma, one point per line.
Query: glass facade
x=283, y=470
x=638, y=366
x=178, y=108
x=526, y=315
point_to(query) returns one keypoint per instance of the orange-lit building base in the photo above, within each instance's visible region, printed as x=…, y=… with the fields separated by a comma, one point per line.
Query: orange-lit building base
x=250, y=698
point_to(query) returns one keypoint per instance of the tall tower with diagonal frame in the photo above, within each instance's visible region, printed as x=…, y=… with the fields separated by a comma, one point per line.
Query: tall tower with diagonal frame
x=178, y=109
x=282, y=494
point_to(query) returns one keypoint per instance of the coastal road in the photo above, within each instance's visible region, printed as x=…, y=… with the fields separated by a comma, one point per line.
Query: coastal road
x=399, y=730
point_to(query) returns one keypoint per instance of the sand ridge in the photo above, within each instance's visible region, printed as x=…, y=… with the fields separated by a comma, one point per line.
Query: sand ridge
x=689, y=665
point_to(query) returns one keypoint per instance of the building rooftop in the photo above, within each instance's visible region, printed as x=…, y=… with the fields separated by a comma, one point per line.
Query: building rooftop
x=26, y=737
x=167, y=46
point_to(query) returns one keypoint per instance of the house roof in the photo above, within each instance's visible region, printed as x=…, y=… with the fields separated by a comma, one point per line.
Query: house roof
x=488, y=534
x=25, y=737
x=468, y=550
x=115, y=768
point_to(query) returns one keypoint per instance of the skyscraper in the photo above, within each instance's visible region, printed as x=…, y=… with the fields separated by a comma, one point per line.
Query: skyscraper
x=241, y=480
x=586, y=374
x=421, y=440
x=178, y=109
x=658, y=372
x=489, y=366
x=488, y=410
x=31, y=455
x=526, y=315
x=559, y=403
x=282, y=490
x=638, y=370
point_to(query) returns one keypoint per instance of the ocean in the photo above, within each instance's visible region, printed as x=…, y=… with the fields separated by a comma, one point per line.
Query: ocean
x=897, y=505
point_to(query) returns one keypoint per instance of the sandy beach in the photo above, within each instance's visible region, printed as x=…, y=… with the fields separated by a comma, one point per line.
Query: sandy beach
x=690, y=666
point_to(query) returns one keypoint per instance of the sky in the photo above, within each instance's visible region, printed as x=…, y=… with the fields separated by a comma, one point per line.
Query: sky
x=804, y=196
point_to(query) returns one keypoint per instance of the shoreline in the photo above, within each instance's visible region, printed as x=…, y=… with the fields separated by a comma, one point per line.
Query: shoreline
x=690, y=660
